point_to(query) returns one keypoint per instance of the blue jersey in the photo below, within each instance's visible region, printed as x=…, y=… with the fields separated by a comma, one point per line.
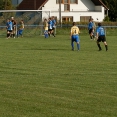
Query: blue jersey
x=53, y=23
x=7, y=24
x=50, y=24
x=90, y=26
x=100, y=31
x=10, y=26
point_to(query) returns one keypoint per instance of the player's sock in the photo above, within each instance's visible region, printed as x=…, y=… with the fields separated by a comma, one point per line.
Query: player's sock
x=91, y=37
x=72, y=44
x=53, y=34
x=49, y=34
x=7, y=35
x=99, y=47
x=11, y=35
x=78, y=46
x=106, y=47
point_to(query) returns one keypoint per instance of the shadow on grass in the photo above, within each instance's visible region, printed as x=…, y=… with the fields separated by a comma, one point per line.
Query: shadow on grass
x=43, y=49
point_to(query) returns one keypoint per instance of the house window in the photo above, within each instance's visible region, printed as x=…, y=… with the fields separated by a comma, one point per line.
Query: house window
x=85, y=18
x=57, y=1
x=67, y=19
x=66, y=7
x=74, y=1
x=67, y=1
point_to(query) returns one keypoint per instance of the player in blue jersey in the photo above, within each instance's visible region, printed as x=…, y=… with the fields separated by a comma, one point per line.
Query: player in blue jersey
x=49, y=27
x=9, y=28
x=90, y=28
x=14, y=27
x=53, y=26
x=100, y=35
x=74, y=35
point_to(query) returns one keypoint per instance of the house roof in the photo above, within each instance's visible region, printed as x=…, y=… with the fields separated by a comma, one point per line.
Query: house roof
x=38, y=4
x=99, y=2
x=31, y=4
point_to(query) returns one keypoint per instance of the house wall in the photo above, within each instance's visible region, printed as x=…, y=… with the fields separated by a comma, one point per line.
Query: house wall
x=83, y=8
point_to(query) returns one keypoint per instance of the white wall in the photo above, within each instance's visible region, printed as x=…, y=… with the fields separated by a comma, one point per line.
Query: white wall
x=83, y=8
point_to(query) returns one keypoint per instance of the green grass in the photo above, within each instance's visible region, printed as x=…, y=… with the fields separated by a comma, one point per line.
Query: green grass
x=44, y=78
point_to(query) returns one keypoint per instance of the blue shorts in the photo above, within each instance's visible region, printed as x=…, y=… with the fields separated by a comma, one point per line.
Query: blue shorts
x=46, y=32
x=20, y=32
x=75, y=38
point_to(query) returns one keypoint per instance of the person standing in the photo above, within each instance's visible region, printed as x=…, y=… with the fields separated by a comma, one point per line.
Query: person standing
x=94, y=29
x=53, y=26
x=49, y=27
x=21, y=28
x=100, y=35
x=45, y=28
x=14, y=27
x=90, y=28
x=9, y=28
x=74, y=35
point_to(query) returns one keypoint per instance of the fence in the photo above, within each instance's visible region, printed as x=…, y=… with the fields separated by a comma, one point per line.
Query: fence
x=36, y=30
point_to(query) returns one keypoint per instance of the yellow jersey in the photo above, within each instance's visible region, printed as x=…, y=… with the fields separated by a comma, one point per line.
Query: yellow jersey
x=46, y=25
x=75, y=30
x=22, y=26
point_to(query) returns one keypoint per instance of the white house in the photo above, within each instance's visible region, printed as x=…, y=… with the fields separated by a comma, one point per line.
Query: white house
x=68, y=10
x=77, y=10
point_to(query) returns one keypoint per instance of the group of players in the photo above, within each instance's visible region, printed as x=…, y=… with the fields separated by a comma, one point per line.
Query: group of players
x=11, y=27
x=100, y=35
x=49, y=27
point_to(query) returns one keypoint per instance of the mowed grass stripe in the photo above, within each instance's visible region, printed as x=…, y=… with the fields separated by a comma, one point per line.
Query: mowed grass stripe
x=43, y=77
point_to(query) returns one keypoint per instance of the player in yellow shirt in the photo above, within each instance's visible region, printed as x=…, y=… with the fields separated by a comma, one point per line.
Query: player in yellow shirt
x=45, y=28
x=21, y=28
x=74, y=35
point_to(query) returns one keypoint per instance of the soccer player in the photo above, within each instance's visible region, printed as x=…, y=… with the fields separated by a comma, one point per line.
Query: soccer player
x=53, y=26
x=90, y=28
x=100, y=35
x=14, y=27
x=74, y=35
x=20, y=31
x=9, y=28
x=45, y=28
x=49, y=27
x=94, y=28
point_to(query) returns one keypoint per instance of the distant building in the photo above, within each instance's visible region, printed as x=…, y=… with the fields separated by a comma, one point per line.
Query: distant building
x=71, y=10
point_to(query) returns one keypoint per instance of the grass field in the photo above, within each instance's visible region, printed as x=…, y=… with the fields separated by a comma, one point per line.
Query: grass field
x=44, y=78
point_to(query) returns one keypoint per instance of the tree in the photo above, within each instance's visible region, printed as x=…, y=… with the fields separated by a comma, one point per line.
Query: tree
x=6, y=5
x=112, y=5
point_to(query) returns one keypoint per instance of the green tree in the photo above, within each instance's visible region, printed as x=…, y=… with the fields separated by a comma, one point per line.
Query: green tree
x=1, y=5
x=6, y=5
x=112, y=5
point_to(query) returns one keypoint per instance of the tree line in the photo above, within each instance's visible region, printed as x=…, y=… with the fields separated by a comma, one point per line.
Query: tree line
x=111, y=4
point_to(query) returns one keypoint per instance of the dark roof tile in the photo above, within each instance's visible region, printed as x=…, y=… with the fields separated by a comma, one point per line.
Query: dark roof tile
x=31, y=4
